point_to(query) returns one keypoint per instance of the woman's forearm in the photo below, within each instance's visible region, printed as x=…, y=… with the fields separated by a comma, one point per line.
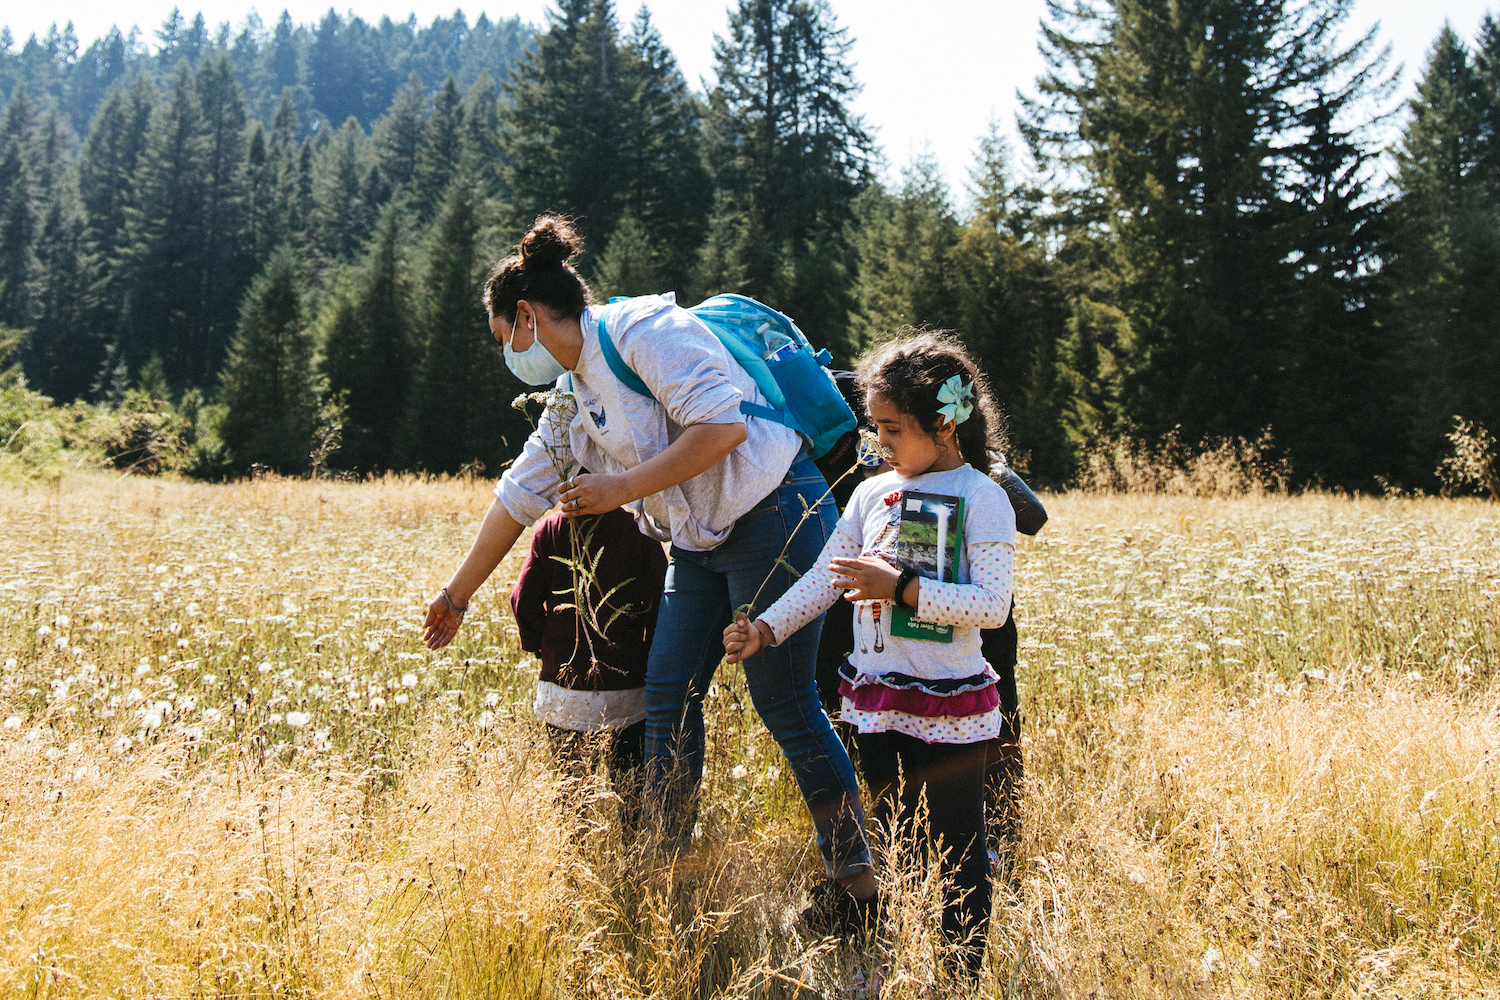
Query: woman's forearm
x=698, y=449
x=496, y=536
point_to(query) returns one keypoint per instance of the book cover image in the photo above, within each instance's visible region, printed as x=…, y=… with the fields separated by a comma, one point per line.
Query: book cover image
x=928, y=540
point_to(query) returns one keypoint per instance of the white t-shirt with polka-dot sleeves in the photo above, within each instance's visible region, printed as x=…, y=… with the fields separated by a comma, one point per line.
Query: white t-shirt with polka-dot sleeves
x=980, y=597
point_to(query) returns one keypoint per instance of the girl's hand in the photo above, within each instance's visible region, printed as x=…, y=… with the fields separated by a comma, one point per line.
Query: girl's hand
x=593, y=494
x=441, y=624
x=744, y=638
x=866, y=579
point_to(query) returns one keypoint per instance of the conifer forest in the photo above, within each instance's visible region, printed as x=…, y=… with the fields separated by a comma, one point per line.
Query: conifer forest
x=262, y=245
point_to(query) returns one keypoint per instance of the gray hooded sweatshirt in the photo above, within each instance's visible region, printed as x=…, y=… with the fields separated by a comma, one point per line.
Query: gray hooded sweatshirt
x=607, y=427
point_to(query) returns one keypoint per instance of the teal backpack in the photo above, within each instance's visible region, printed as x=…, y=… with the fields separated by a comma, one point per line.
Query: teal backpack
x=795, y=381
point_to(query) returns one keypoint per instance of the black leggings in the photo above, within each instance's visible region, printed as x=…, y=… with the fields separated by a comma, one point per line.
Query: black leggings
x=900, y=769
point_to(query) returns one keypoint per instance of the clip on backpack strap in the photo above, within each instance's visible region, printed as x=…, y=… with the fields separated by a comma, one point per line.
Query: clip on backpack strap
x=766, y=413
x=617, y=364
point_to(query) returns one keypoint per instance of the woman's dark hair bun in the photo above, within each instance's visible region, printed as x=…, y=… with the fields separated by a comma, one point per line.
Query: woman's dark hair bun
x=552, y=240
x=540, y=272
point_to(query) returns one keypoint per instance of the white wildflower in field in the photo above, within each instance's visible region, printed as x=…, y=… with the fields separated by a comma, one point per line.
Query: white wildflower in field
x=1154, y=628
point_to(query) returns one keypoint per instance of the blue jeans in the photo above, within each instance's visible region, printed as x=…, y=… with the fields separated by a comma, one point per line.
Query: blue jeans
x=702, y=590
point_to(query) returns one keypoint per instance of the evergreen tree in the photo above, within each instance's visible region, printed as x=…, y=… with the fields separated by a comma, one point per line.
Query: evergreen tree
x=907, y=244
x=266, y=388
x=789, y=153
x=1188, y=120
x=562, y=123
x=17, y=213
x=368, y=355
x=631, y=264
x=1446, y=270
x=344, y=78
x=665, y=186
x=341, y=216
x=399, y=133
x=481, y=135
x=226, y=267
x=454, y=418
x=1012, y=310
x=106, y=173
x=1337, y=405
x=162, y=261
x=62, y=354
x=441, y=150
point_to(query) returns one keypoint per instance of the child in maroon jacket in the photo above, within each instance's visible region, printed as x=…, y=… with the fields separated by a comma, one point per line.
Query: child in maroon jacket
x=592, y=687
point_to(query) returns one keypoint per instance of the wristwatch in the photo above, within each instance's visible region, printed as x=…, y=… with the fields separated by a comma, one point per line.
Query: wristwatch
x=907, y=576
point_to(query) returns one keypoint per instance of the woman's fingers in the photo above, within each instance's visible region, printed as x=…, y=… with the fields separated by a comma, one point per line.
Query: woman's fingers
x=591, y=494
x=440, y=625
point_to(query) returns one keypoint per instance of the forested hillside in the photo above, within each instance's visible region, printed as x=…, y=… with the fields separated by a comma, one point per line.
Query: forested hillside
x=266, y=242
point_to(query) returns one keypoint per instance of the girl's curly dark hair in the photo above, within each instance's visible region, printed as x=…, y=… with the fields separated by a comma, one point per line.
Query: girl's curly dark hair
x=910, y=369
x=538, y=271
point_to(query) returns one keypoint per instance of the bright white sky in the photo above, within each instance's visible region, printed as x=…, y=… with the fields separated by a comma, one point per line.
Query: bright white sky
x=934, y=73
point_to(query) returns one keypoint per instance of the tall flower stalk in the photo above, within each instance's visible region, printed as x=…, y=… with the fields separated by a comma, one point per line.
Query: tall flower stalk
x=868, y=455
x=583, y=558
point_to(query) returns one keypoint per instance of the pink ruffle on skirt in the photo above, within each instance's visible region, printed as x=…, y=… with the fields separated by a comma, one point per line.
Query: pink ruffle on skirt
x=879, y=698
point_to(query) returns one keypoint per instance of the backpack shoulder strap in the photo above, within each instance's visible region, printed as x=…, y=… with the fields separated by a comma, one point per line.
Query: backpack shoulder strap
x=632, y=381
x=617, y=364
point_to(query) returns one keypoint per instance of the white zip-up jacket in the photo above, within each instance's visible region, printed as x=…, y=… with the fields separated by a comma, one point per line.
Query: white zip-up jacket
x=610, y=428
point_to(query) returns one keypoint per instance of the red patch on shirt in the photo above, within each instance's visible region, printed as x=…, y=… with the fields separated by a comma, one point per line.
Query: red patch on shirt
x=893, y=499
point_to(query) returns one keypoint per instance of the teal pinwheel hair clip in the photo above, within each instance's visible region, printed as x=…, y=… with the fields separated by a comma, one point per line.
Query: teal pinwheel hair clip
x=959, y=396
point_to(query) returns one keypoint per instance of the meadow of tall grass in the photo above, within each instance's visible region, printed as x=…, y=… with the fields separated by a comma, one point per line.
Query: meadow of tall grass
x=1261, y=740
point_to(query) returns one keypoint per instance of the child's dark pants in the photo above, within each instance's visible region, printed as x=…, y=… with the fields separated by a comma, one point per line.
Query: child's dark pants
x=901, y=770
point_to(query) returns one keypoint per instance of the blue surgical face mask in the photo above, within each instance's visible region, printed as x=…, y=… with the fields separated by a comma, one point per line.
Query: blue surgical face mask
x=535, y=365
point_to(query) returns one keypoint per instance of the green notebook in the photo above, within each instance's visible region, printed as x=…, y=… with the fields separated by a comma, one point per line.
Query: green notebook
x=929, y=539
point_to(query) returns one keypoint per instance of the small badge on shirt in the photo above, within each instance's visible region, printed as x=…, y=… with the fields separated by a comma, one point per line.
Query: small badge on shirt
x=599, y=418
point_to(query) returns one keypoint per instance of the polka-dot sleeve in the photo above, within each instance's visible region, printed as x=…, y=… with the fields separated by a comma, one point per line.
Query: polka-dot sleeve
x=813, y=594
x=984, y=602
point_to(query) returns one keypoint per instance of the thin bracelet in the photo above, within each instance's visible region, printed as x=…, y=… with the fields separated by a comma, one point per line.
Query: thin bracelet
x=460, y=611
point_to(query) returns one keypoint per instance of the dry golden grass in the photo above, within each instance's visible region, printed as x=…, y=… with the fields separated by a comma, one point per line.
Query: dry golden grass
x=1262, y=750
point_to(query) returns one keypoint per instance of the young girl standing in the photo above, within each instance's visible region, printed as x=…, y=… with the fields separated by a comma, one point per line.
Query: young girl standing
x=923, y=710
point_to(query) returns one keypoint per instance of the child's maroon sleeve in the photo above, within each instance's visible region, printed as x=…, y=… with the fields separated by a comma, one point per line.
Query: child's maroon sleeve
x=528, y=599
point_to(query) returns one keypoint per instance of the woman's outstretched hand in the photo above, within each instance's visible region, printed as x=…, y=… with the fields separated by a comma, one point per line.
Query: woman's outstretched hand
x=744, y=638
x=591, y=493
x=441, y=624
